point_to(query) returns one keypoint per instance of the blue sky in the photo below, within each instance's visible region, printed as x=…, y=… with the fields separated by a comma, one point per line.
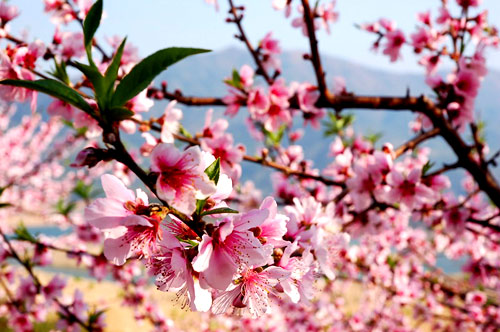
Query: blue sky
x=154, y=24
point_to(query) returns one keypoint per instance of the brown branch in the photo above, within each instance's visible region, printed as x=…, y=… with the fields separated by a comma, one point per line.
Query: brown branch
x=189, y=101
x=315, y=57
x=444, y=169
x=256, y=160
x=411, y=144
x=271, y=164
x=485, y=223
x=237, y=18
x=288, y=171
x=27, y=266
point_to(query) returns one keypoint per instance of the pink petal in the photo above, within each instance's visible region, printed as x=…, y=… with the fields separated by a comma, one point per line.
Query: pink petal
x=221, y=269
x=250, y=219
x=114, y=188
x=201, y=261
x=116, y=250
x=164, y=155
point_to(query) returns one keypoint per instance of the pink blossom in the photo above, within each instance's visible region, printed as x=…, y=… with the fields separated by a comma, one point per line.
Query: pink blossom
x=424, y=38
x=246, y=76
x=26, y=56
x=425, y=18
x=466, y=83
x=476, y=298
x=84, y=120
x=308, y=95
x=408, y=190
x=125, y=220
x=173, y=271
x=232, y=244
x=257, y=101
x=431, y=63
x=444, y=16
x=269, y=45
x=230, y=156
x=140, y=103
x=280, y=4
x=62, y=109
x=213, y=3
x=84, y=6
x=170, y=125
x=395, y=40
x=181, y=180
x=54, y=288
x=327, y=14
x=9, y=71
x=61, y=11
x=234, y=101
x=339, y=86
x=389, y=25
x=72, y=45
x=305, y=213
x=270, y=49
x=300, y=284
x=251, y=291
x=130, y=52
x=20, y=321
x=455, y=217
x=273, y=228
x=364, y=184
x=328, y=247
x=278, y=113
x=7, y=12
x=215, y=129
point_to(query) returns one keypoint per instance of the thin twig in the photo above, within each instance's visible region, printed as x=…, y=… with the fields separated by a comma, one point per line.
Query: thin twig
x=237, y=18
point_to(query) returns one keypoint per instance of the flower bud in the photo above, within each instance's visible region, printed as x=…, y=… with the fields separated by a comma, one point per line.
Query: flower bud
x=89, y=157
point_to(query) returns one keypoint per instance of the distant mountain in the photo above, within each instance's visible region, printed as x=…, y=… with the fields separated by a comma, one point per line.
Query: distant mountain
x=202, y=75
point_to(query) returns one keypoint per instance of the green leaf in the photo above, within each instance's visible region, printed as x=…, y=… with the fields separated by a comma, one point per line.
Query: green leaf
x=235, y=81
x=83, y=190
x=23, y=234
x=336, y=124
x=427, y=167
x=373, y=138
x=392, y=261
x=65, y=209
x=118, y=114
x=192, y=243
x=95, y=77
x=183, y=131
x=55, y=89
x=94, y=317
x=200, y=204
x=145, y=71
x=60, y=72
x=90, y=25
x=219, y=211
x=274, y=138
x=213, y=171
x=112, y=71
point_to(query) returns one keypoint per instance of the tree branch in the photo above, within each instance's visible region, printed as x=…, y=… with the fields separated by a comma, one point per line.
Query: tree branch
x=237, y=18
x=411, y=144
x=315, y=58
x=27, y=266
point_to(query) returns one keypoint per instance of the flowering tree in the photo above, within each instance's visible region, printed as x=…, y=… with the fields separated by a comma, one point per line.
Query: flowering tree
x=378, y=217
